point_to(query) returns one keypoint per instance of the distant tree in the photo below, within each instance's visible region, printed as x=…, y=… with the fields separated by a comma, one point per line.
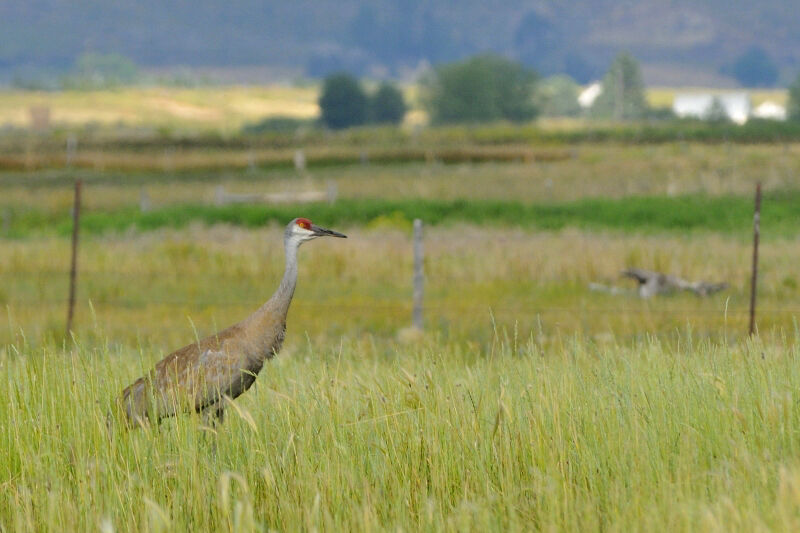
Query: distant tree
x=754, y=68
x=343, y=103
x=387, y=105
x=716, y=112
x=623, y=91
x=794, y=100
x=101, y=71
x=480, y=89
x=557, y=96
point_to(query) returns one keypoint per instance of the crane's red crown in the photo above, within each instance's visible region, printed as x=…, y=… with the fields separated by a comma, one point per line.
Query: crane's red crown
x=304, y=223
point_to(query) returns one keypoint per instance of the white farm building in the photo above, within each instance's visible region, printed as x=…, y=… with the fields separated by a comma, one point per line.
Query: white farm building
x=770, y=110
x=698, y=105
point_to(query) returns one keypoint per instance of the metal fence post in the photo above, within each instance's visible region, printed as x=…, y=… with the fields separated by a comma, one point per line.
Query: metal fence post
x=754, y=279
x=73, y=270
x=419, y=275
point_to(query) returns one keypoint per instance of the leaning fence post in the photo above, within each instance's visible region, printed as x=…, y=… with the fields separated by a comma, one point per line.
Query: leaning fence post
x=754, y=279
x=73, y=270
x=419, y=275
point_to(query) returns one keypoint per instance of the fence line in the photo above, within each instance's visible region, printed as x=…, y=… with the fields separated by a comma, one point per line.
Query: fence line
x=278, y=263
x=404, y=307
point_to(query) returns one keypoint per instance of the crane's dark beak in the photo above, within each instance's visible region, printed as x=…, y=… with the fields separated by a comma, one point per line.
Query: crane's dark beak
x=322, y=232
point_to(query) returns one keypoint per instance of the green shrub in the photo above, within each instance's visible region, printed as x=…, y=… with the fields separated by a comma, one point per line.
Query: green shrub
x=481, y=89
x=387, y=105
x=343, y=102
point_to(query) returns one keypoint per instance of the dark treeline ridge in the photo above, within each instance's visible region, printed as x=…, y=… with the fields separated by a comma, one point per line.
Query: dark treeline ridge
x=730, y=215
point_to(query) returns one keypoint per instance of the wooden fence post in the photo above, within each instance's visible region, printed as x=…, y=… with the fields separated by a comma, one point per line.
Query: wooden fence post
x=73, y=271
x=419, y=276
x=754, y=279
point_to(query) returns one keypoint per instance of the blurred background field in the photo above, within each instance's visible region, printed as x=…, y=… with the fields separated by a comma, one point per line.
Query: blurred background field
x=529, y=401
x=570, y=173
x=226, y=109
x=511, y=244
x=154, y=288
x=212, y=108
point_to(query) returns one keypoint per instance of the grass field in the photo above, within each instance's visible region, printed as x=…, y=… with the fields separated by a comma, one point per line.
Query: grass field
x=644, y=214
x=212, y=108
x=223, y=109
x=594, y=170
x=530, y=402
x=360, y=436
x=151, y=288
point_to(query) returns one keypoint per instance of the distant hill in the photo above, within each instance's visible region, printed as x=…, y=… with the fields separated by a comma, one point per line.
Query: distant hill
x=678, y=42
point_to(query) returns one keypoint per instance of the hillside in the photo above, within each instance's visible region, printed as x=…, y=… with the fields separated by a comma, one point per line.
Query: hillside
x=680, y=42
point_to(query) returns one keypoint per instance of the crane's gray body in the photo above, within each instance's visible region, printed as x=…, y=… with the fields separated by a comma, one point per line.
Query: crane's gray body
x=199, y=376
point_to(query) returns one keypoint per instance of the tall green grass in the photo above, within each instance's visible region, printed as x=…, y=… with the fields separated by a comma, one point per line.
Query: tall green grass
x=432, y=436
x=723, y=214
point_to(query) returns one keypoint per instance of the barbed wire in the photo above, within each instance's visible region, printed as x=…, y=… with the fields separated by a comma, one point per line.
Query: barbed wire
x=113, y=280
x=404, y=307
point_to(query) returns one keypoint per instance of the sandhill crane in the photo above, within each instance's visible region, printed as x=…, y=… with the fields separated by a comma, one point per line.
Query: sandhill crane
x=199, y=377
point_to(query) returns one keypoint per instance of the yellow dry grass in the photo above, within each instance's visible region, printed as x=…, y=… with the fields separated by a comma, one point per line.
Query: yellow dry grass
x=156, y=288
x=219, y=108
x=661, y=97
x=595, y=170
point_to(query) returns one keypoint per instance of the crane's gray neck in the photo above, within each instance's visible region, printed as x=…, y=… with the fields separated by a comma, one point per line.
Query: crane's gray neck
x=283, y=296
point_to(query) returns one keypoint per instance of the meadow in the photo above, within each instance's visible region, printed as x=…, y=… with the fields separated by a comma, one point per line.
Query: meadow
x=430, y=436
x=212, y=108
x=530, y=402
x=222, y=109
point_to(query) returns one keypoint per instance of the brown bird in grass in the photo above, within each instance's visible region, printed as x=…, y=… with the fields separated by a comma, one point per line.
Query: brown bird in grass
x=199, y=377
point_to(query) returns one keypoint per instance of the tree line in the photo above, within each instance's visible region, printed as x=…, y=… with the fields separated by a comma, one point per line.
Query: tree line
x=483, y=88
x=488, y=88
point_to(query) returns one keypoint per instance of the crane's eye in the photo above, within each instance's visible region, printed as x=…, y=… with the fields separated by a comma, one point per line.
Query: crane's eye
x=304, y=223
